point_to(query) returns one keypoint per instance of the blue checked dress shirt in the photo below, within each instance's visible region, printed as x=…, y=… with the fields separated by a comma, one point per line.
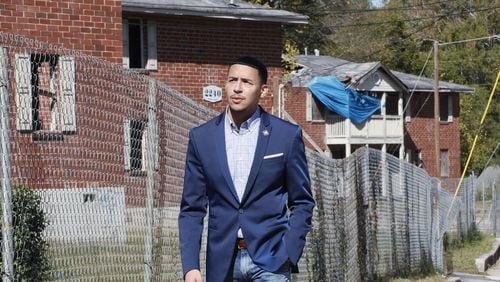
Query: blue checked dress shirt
x=240, y=149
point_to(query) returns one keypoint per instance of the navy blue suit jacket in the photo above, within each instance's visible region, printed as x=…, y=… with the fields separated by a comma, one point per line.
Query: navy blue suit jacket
x=274, y=213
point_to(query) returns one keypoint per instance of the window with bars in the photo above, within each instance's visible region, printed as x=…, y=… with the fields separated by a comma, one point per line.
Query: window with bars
x=45, y=92
x=138, y=141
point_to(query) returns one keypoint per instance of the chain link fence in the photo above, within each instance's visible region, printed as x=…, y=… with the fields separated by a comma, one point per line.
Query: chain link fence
x=378, y=216
x=104, y=149
x=487, y=210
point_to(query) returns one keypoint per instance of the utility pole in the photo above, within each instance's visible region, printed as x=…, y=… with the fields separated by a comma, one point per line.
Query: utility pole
x=436, y=108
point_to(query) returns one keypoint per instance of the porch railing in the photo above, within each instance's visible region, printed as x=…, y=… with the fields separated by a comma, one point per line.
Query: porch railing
x=337, y=127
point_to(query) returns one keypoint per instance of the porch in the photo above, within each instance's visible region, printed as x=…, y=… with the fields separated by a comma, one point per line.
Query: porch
x=379, y=129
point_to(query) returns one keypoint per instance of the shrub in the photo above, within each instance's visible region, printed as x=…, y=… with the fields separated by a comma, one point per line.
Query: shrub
x=30, y=248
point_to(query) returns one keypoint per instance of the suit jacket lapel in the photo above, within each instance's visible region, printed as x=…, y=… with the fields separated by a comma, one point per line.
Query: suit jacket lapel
x=260, y=150
x=220, y=144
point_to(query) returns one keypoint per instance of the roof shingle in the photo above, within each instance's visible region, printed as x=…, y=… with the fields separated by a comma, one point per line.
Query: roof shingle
x=213, y=8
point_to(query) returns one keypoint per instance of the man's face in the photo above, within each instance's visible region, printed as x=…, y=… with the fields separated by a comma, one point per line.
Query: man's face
x=244, y=89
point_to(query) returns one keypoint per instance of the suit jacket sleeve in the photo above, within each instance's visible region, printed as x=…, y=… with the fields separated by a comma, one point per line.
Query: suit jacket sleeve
x=193, y=208
x=300, y=199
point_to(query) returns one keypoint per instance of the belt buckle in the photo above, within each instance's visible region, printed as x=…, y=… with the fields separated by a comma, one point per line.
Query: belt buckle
x=241, y=243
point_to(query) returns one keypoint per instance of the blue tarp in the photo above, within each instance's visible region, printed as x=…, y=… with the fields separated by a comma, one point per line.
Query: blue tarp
x=344, y=101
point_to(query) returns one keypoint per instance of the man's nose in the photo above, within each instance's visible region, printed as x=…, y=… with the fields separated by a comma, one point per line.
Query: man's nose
x=237, y=87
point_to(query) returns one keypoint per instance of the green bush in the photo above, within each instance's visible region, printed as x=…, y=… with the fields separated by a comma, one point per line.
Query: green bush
x=30, y=248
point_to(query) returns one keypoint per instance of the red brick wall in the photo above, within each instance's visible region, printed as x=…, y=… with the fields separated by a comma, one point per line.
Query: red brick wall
x=420, y=133
x=93, y=155
x=92, y=26
x=194, y=52
x=295, y=105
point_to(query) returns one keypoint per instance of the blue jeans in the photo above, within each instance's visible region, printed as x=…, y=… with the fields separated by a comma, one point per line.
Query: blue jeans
x=246, y=270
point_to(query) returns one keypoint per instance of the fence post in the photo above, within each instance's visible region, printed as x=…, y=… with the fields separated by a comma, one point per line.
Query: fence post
x=494, y=209
x=151, y=163
x=8, y=249
x=472, y=203
x=468, y=188
x=368, y=203
x=483, y=198
x=435, y=243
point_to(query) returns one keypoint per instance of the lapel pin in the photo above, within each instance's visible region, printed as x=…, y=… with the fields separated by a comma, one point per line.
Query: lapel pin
x=265, y=132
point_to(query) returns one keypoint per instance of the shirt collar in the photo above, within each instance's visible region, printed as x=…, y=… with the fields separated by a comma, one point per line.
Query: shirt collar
x=246, y=125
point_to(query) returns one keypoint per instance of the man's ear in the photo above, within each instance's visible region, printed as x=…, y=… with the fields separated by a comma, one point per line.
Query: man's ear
x=263, y=90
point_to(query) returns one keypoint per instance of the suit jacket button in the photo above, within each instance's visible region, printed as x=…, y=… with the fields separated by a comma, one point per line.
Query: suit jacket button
x=240, y=210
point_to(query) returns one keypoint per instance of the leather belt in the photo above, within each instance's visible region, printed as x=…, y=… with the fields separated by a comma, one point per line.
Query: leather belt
x=241, y=243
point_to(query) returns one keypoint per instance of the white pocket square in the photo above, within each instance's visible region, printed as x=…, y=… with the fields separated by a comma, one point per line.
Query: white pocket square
x=273, y=156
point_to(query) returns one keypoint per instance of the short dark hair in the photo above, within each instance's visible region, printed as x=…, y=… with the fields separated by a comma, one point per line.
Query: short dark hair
x=254, y=63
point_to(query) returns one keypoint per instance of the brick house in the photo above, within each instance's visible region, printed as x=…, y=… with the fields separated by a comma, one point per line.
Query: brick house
x=185, y=44
x=194, y=49
x=79, y=125
x=404, y=126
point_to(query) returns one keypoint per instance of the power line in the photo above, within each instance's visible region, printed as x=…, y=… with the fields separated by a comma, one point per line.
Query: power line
x=411, y=20
x=386, y=9
x=402, y=38
x=415, y=86
x=469, y=40
x=423, y=27
x=400, y=8
x=346, y=11
x=413, y=91
x=421, y=73
x=491, y=156
x=474, y=142
x=472, y=61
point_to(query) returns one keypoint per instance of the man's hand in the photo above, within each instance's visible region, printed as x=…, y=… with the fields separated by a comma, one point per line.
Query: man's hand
x=193, y=275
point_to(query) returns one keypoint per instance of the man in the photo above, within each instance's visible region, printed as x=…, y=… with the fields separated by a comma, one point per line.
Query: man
x=250, y=168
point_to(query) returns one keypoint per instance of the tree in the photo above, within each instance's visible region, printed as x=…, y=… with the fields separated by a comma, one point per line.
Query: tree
x=474, y=63
x=403, y=30
x=312, y=35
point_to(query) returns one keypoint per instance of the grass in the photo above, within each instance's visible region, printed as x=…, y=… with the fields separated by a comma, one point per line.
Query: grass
x=113, y=261
x=431, y=278
x=460, y=256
